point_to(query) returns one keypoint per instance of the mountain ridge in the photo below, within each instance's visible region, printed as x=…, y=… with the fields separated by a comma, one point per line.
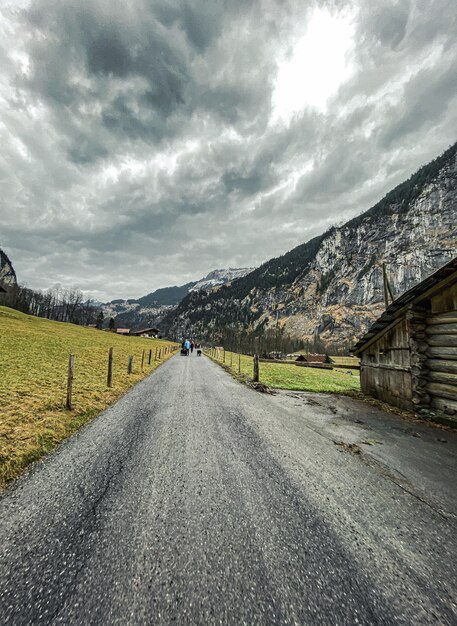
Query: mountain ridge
x=150, y=309
x=331, y=287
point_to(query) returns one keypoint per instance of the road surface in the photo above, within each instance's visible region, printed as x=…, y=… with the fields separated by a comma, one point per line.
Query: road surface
x=197, y=500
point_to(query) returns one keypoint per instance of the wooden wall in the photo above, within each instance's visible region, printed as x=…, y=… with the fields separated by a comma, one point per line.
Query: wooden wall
x=414, y=363
x=441, y=365
x=386, y=367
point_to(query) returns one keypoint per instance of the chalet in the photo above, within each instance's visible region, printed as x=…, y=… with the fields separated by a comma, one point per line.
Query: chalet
x=123, y=331
x=153, y=333
x=409, y=355
x=310, y=358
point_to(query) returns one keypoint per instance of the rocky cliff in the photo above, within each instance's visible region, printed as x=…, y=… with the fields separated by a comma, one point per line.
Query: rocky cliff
x=331, y=288
x=7, y=273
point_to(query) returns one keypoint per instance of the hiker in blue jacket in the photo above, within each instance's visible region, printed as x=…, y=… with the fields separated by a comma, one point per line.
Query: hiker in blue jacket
x=187, y=345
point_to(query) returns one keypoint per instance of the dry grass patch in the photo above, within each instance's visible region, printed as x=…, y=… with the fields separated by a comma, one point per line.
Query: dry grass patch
x=284, y=376
x=33, y=376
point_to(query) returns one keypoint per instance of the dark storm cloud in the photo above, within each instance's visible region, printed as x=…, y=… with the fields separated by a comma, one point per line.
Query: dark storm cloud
x=425, y=99
x=114, y=67
x=135, y=63
x=141, y=146
x=385, y=23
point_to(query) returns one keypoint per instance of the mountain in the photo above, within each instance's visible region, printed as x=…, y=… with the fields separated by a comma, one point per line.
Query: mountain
x=220, y=277
x=167, y=296
x=7, y=273
x=331, y=288
x=150, y=310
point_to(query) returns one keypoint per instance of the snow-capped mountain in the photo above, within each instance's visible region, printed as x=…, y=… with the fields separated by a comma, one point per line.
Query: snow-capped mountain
x=221, y=277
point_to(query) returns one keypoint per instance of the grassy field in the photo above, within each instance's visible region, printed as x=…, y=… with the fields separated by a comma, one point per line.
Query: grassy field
x=281, y=376
x=33, y=376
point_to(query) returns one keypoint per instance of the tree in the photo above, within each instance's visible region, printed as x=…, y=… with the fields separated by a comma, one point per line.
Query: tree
x=99, y=320
x=111, y=323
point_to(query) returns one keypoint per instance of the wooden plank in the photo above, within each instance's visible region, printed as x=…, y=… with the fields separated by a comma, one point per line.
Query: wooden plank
x=442, y=329
x=442, y=365
x=446, y=300
x=442, y=353
x=443, y=318
x=447, y=341
x=443, y=391
x=443, y=377
x=445, y=405
x=386, y=366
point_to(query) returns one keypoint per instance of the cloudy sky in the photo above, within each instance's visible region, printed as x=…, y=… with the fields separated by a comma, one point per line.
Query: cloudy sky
x=145, y=143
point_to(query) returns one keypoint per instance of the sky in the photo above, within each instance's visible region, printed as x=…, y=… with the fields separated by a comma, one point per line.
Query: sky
x=146, y=143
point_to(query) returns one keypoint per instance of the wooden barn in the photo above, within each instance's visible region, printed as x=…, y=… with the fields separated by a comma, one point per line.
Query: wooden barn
x=310, y=358
x=146, y=332
x=409, y=355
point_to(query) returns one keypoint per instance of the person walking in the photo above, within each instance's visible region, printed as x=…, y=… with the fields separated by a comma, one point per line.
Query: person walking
x=187, y=346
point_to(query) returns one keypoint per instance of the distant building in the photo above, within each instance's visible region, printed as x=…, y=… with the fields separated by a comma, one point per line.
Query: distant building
x=152, y=333
x=275, y=355
x=409, y=355
x=123, y=331
x=310, y=358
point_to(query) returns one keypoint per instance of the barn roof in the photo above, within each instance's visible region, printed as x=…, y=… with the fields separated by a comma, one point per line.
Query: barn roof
x=399, y=305
x=310, y=358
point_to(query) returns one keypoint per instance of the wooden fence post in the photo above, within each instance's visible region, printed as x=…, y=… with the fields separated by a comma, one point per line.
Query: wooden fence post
x=160, y=353
x=130, y=365
x=223, y=356
x=155, y=355
x=110, y=368
x=149, y=359
x=142, y=361
x=71, y=367
x=256, y=369
x=239, y=363
x=231, y=359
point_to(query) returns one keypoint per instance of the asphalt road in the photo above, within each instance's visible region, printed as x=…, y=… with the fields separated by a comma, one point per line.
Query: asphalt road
x=196, y=500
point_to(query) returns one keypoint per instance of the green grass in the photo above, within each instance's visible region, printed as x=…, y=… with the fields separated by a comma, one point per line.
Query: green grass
x=33, y=378
x=284, y=376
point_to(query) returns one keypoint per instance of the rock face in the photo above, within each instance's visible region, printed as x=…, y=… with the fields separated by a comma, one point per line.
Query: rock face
x=7, y=273
x=331, y=288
